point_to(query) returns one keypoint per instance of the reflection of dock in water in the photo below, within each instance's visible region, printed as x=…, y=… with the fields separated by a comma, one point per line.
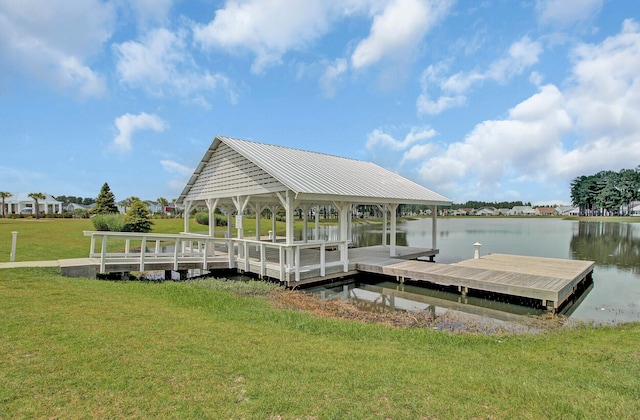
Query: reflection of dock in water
x=551, y=281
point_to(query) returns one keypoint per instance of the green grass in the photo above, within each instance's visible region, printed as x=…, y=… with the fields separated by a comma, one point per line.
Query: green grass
x=35, y=237
x=78, y=348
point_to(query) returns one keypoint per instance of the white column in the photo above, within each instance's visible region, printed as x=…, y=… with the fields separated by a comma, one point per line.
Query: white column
x=211, y=206
x=288, y=203
x=187, y=210
x=290, y=217
x=257, y=207
x=241, y=204
x=274, y=210
x=305, y=220
x=434, y=226
x=316, y=232
x=343, y=219
x=384, y=209
x=393, y=208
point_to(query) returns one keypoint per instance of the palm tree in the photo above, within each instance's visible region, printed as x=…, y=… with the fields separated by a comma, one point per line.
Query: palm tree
x=37, y=196
x=3, y=195
x=163, y=202
x=129, y=201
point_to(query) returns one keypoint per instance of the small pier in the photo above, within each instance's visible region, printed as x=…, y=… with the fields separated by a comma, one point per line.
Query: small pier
x=549, y=280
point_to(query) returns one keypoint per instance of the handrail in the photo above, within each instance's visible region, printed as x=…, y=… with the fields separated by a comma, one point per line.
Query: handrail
x=199, y=248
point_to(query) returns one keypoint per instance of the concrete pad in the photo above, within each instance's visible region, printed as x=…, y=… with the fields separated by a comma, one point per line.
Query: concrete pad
x=32, y=264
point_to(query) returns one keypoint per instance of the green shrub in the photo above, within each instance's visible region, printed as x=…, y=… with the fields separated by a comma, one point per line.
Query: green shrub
x=81, y=213
x=137, y=219
x=202, y=218
x=108, y=222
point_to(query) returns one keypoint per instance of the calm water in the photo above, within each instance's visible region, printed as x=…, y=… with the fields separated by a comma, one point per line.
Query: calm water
x=615, y=248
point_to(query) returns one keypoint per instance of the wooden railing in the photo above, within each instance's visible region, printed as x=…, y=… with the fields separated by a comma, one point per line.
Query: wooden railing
x=267, y=259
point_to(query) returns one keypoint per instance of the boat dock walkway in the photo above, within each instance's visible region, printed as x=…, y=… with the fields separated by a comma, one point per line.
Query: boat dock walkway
x=550, y=280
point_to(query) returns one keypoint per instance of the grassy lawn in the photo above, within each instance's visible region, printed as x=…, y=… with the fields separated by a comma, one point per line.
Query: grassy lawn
x=35, y=237
x=78, y=348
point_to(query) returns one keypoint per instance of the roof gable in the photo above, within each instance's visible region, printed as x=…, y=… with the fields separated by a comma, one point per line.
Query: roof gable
x=269, y=168
x=227, y=173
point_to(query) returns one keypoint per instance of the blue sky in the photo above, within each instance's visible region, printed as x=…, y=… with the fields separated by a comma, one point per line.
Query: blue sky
x=478, y=100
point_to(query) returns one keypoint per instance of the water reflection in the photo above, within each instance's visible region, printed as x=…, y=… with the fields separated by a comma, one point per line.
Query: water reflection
x=615, y=247
x=608, y=244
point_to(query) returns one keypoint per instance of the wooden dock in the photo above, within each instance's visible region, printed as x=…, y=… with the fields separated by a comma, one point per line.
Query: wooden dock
x=550, y=280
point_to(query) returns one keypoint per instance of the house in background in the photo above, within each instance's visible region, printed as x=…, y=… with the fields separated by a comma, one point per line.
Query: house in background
x=546, y=211
x=21, y=203
x=523, y=211
x=567, y=211
x=486, y=211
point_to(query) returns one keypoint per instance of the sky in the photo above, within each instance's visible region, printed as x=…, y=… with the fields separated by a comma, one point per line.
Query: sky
x=496, y=100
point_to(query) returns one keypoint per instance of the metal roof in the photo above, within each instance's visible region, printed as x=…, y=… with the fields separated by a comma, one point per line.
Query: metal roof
x=318, y=174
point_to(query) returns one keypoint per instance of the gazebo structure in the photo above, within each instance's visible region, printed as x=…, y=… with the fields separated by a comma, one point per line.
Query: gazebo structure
x=235, y=175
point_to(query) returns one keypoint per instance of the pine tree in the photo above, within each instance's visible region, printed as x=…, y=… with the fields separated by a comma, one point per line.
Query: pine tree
x=106, y=201
x=138, y=218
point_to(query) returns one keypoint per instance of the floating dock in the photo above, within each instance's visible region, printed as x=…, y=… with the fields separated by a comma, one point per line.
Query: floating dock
x=549, y=280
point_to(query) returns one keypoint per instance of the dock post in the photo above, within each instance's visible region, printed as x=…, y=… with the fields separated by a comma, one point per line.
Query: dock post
x=476, y=250
x=14, y=239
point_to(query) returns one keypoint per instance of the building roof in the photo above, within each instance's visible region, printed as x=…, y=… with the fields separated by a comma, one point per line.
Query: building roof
x=23, y=197
x=265, y=169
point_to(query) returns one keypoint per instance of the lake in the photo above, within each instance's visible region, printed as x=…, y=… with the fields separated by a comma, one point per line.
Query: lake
x=615, y=248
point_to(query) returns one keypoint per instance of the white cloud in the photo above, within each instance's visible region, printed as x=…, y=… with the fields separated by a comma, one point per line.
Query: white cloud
x=32, y=41
x=418, y=152
x=522, y=144
x=151, y=11
x=172, y=166
x=555, y=135
x=567, y=12
x=332, y=76
x=269, y=29
x=161, y=64
x=266, y=28
x=521, y=55
x=379, y=139
x=128, y=124
x=397, y=30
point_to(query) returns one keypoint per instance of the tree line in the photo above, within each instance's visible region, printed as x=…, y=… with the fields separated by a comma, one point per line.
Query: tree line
x=606, y=193
x=87, y=201
x=480, y=204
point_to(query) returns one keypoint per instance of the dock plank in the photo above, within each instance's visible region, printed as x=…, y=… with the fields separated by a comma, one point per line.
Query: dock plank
x=550, y=280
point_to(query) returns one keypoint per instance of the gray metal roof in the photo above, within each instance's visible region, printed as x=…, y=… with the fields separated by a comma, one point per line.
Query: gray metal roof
x=318, y=174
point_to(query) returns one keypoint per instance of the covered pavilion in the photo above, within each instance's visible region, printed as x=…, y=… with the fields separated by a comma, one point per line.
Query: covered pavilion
x=235, y=175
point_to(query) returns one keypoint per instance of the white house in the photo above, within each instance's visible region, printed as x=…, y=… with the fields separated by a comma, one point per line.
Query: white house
x=21, y=203
x=523, y=211
x=486, y=211
x=567, y=211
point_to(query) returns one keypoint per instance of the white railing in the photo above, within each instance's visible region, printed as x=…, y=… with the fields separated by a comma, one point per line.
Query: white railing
x=272, y=259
